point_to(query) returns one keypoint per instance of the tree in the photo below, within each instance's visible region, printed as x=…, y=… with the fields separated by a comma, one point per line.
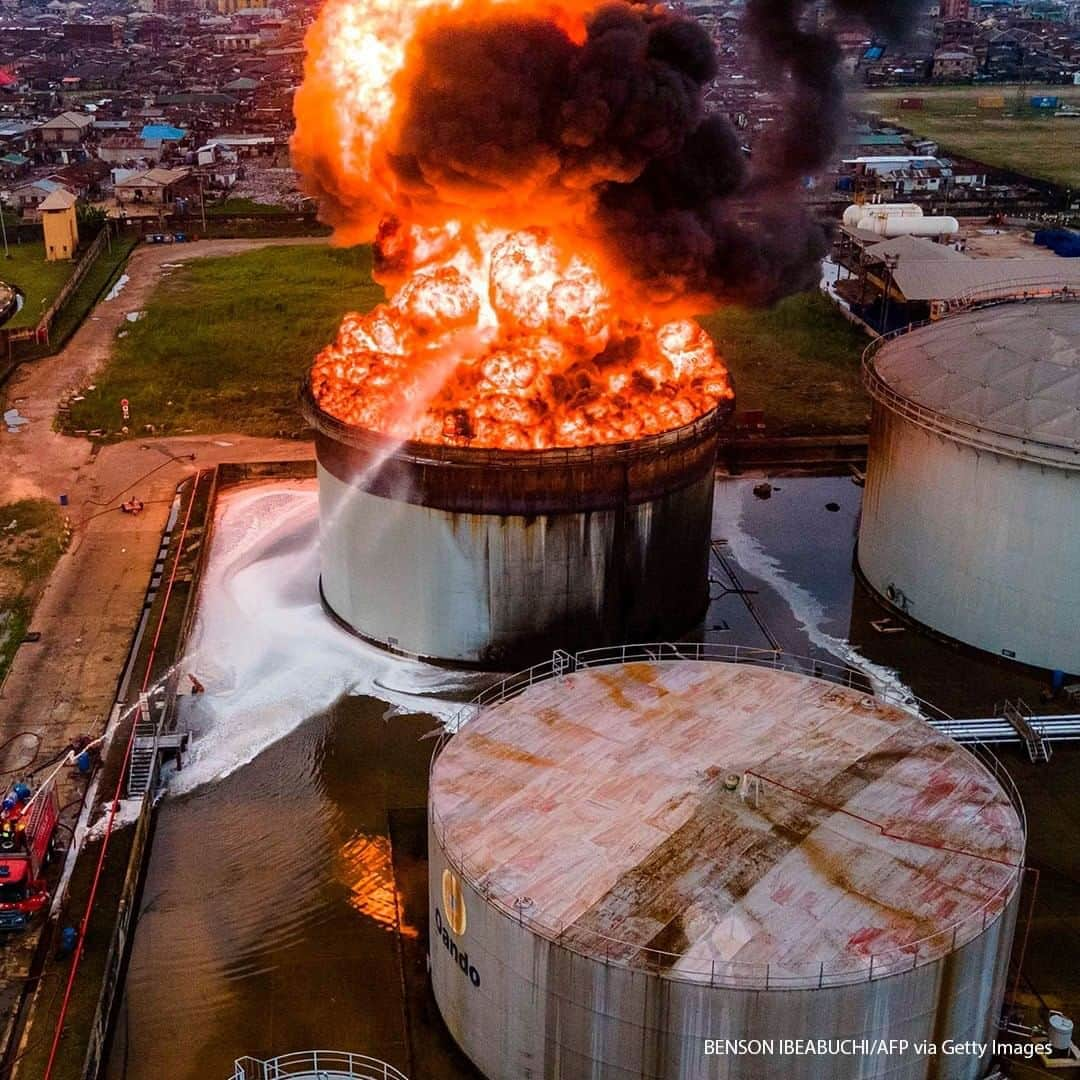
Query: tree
x=91, y=219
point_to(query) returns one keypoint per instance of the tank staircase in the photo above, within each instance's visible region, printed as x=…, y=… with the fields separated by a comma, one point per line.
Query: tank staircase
x=151, y=742
x=1017, y=725
x=1029, y=729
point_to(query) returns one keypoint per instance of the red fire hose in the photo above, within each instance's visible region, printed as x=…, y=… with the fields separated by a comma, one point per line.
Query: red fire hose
x=116, y=798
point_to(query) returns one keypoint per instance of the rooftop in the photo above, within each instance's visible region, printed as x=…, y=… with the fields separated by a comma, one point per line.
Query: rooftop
x=716, y=818
x=1011, y=369
x=60, y=199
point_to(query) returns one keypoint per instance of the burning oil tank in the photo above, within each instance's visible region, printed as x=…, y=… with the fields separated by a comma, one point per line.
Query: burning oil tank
x=489, y=557
x=647, y=850
x=971, y=516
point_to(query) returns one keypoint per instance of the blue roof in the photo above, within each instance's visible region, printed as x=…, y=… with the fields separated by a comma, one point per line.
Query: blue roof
x=164, y=132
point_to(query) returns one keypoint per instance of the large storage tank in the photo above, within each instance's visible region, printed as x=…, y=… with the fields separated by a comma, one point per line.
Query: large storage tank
x=630, y=858
x=497, y=557
x=971, y=516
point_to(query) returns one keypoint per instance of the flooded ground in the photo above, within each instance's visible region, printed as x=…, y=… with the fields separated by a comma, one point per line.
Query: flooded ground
x=285, y=904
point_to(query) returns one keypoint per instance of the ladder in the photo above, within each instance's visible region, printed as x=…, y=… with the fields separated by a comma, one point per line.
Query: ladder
x=1031, y=732
x=144, y=750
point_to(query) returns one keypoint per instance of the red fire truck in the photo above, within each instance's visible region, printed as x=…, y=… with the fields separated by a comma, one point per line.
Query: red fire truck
x=27, y=829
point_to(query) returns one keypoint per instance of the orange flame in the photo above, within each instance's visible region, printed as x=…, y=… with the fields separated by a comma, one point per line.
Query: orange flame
x=505, y=327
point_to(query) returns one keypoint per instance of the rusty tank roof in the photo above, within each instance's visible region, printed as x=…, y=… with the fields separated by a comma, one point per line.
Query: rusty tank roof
x=726, y=821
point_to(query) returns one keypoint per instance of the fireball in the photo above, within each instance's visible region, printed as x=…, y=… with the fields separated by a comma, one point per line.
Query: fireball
x=477, y=143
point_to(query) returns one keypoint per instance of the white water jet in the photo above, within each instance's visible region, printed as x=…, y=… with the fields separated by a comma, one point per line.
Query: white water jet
x=808, y=611
x=267, y=653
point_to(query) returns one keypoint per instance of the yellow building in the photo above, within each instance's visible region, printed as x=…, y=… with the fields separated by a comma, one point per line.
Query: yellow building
x=60, y=224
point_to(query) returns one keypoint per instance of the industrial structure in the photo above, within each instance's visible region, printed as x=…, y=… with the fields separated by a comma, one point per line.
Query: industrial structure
x=496, y=557
x=971, y=516
x=634, y=850
x=316, y=1065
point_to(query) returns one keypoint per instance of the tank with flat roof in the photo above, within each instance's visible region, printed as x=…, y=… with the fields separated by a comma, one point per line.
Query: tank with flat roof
x=635, y=851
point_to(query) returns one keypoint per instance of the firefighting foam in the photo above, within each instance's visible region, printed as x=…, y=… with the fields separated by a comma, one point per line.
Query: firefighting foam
x=550, y=202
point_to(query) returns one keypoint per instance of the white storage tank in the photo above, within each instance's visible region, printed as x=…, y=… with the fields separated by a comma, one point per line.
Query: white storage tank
x=971, y=515
x=890, y=225
x=857, y=211
x=635, y=851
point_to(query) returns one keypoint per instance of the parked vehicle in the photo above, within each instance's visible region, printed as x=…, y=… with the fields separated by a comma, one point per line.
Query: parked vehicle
x=28, y=823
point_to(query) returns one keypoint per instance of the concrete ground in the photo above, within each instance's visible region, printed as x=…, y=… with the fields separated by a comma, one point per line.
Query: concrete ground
x=64, y=684
x=998, y=242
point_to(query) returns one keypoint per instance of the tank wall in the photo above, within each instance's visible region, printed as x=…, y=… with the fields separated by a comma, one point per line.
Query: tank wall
x=982, y=548
x=538, y=1011
x=505, y=590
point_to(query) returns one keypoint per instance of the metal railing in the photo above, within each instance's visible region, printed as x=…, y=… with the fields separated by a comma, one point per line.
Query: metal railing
x=316, y=1065
x=729, y=973
x=1014, y=444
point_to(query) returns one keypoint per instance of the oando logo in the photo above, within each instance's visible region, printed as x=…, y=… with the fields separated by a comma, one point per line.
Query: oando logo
x=454, y=903
x=454, y=921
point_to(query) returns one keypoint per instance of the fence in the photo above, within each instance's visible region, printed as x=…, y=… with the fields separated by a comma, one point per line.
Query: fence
x=735, y=974
x=126, y=909
x=40, y=333
x=1018, y=444
x=316, y=1065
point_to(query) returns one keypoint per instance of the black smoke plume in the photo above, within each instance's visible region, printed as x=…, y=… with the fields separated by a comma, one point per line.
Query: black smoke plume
x=510, y=105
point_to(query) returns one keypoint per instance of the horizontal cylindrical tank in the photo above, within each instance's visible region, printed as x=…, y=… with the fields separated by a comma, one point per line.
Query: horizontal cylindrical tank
x=647, y=850
x=857, y=211
x=899, y=225
x=971, y=514
x=495, y=558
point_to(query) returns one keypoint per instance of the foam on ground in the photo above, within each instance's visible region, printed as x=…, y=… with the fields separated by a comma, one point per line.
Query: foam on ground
x=266, y=651
x=807, y=609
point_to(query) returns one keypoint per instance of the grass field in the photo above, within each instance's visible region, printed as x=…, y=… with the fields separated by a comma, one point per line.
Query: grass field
x=797, y=362
x=32, y=538
x=245, y=206
x=1017, y=137
x=224, y=342
x=39, y=280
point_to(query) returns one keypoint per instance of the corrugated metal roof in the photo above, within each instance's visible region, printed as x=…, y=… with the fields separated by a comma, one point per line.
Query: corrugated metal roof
x=162, y=132
x=915, y=248
x=1013, y=369
x=931, y=280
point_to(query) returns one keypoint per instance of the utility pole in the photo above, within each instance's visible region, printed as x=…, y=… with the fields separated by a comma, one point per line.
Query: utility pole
x=891, y=263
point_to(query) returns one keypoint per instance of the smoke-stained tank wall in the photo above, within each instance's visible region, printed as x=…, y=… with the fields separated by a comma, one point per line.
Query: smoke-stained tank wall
x=496, y=558
x=542, y=1010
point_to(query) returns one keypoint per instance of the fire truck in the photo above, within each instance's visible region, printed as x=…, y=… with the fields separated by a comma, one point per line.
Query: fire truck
x=28, y=822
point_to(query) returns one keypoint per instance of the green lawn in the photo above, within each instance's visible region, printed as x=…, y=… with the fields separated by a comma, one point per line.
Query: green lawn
x=1017, y=137
x=224, y=342
x=32, y=538
x=797, y=362
x=107, y=267
x=246, y=206
x=39, y=280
